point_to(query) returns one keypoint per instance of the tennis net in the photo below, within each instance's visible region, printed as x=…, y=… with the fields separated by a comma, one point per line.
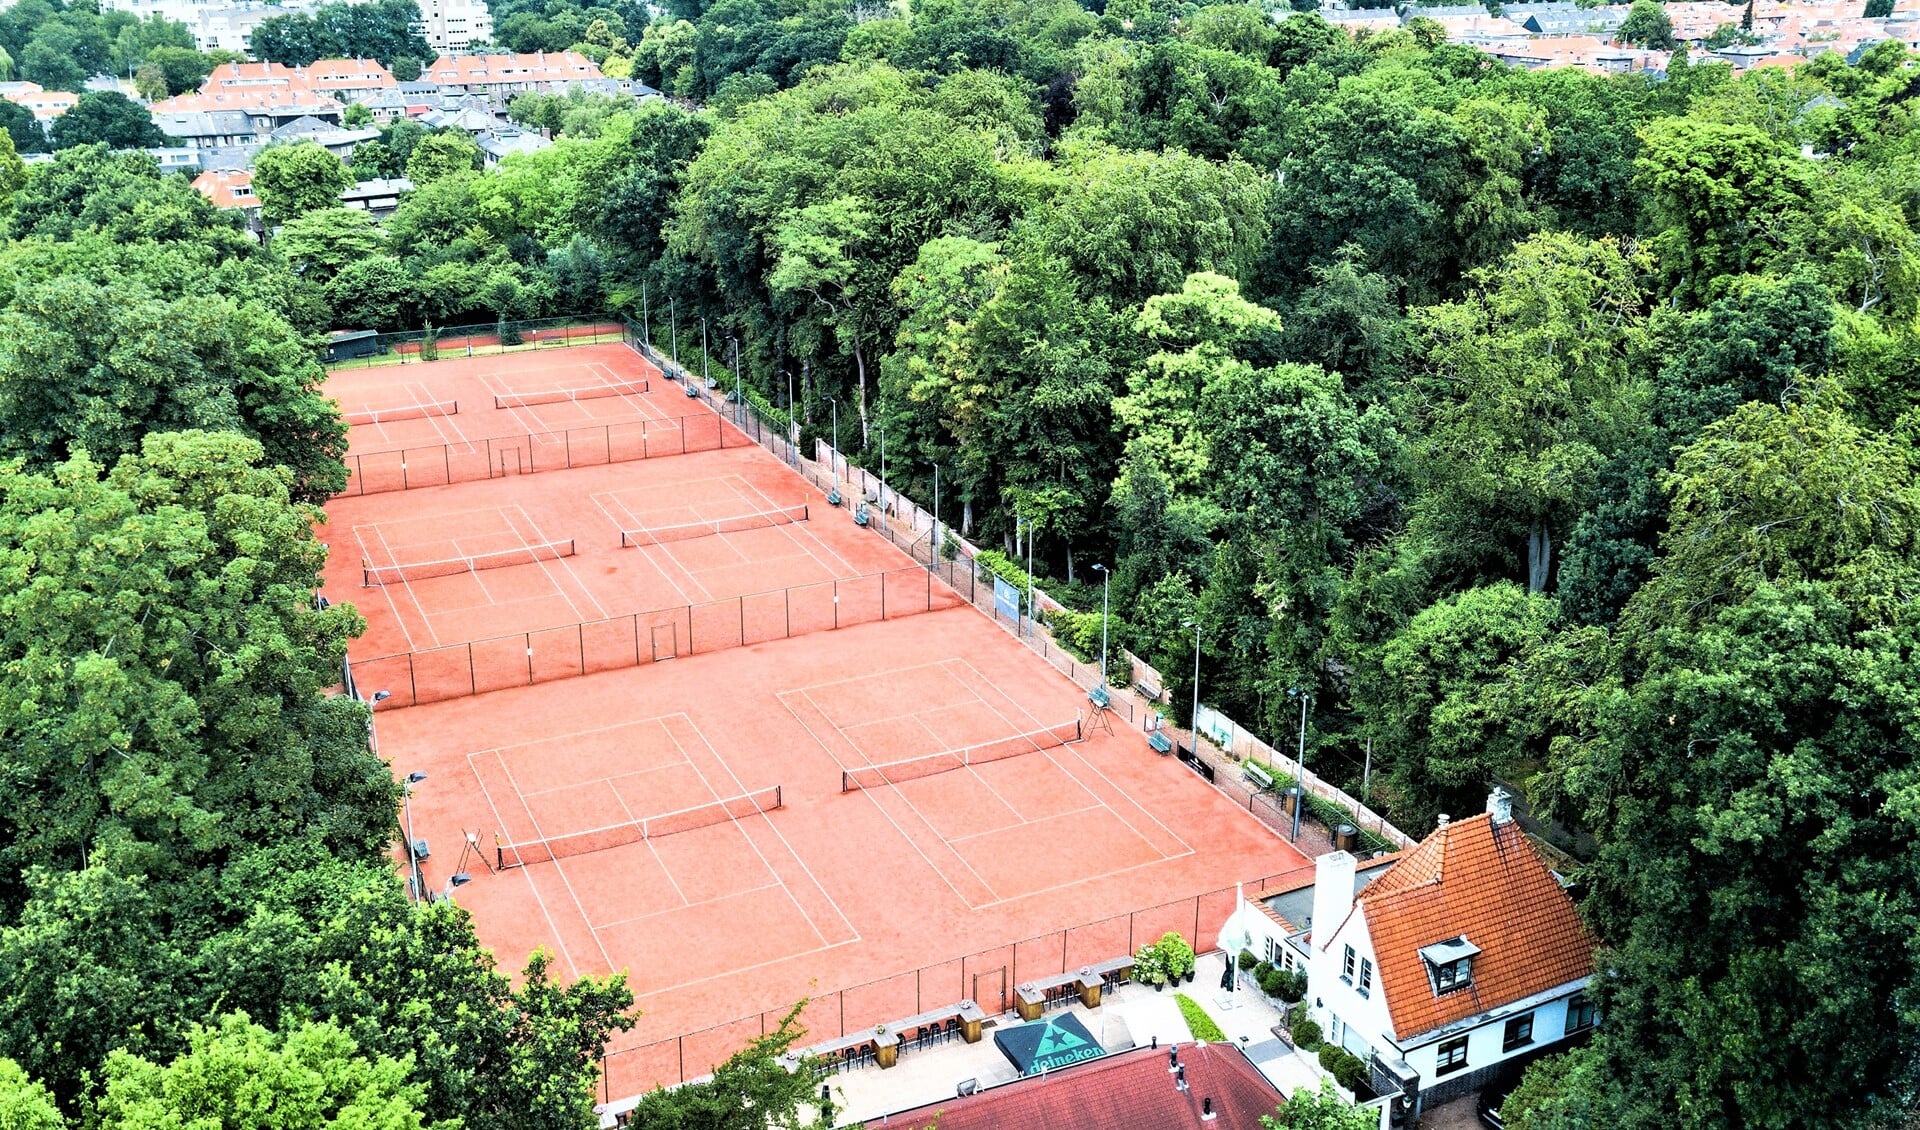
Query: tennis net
x=403, y=412
x=758, y=520
x=547, y=848
x=564, y=395
x=371, y=574
x=914, y=768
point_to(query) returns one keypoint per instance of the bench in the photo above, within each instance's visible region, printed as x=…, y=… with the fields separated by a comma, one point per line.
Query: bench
x=833, y=497
x=1159, y=741
x=692, y=391
x=1258, y=774
x=1099, y=697
x=1148, y=691
x=860, y=515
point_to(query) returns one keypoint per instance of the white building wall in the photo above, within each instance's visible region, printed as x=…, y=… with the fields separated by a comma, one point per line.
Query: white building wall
x=1337, y=1000
x=455, y=25
x=1485, y=1044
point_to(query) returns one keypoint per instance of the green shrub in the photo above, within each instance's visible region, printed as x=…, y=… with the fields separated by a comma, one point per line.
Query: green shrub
x=1270, y=980
x=430, y=344
x=1347, y=1069
x=1295, y=1014
x=1202, y=1025
x=1002, y=567
x=1148, y=967
x=509, y=332
x=1306, y=1034
x=1247, y=960
x=1291, y=986
x=1333, y=815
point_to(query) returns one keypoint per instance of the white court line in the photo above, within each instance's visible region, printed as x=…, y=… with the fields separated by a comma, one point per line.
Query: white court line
x=691, y=905
x=506, y=513
x=1095, y=769
x=911, y=842
x=526, y=873
x=560, y=871
x=738, y=823
x=433, y=637
x=422, y=397
x=895, y=789
x=1095, y=807
x=487, y=382
x=601, y=500
x=788, y=530
x=774, y=828
x=609, y=777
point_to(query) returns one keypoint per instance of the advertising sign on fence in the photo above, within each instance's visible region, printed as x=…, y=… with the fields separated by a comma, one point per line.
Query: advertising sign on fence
x=1006, y=600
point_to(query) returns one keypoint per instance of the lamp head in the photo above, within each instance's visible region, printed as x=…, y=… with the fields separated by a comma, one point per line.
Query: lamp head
x=382, y=696
x=416, y=777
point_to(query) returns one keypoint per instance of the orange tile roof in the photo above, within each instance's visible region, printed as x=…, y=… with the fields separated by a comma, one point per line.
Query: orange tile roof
x=545, y=66
x=1483, y=881
x=228, y=189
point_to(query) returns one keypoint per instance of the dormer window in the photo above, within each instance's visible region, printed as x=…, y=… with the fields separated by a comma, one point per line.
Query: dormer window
x=1449, y=964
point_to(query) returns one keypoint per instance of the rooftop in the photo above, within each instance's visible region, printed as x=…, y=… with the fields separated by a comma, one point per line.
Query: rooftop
x=1482, y=881
x=1133, y=1089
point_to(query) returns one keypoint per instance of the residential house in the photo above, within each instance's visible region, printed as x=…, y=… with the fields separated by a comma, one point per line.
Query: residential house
x=403, y=100
x=45, y=105
x=176, y=159
x=228, y=188
x=499, y=75
x=378, y=198
x=497, y=145
x=267, y=108
x=201, y=129
x=339, y=142
x=1571, y=19
x=455, y=25
x=349, y=80
x=1463, y=955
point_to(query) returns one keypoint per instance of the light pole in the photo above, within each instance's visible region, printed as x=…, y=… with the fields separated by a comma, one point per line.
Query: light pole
x=413, y=848
x=1105, y=579
x=673, y=328
x=933, y=558
x=704, y=378
x=1196, y=683
x=1300, y=761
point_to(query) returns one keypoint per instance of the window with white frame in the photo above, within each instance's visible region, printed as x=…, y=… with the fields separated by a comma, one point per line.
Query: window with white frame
x=1346, y=966
x=1366, y=977
x=1453, y=976
x=1453, y=1056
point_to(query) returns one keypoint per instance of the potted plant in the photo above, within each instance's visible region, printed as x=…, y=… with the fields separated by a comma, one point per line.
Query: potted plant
x=1149, y=968
x=1177, y=955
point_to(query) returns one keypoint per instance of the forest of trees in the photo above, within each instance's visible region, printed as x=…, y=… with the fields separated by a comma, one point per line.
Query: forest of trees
x=1547, y=428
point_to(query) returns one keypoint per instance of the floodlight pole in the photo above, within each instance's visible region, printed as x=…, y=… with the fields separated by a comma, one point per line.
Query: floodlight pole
x=1106, y=579
x=704, y=378
x=933, y=554
x=1300, y=762
x=1195, y=625
x=673, y=327
x=646, y=317
x=1031, y=618
x=413, y=854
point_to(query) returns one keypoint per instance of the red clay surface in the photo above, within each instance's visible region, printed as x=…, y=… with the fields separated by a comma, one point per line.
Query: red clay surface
x=878, y=902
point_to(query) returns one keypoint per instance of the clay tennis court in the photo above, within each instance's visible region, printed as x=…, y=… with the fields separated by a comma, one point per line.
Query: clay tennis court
x=783, y=811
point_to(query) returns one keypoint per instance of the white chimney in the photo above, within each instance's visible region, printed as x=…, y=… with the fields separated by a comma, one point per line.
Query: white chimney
x=1500, y=804
x=1332, y=894
x=1443, y=819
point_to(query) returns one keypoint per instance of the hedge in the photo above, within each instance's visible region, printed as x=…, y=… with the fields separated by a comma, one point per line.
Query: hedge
x=1202, y=1025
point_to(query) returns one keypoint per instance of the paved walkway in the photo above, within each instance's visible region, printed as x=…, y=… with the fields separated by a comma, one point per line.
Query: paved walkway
x=1131, y=1016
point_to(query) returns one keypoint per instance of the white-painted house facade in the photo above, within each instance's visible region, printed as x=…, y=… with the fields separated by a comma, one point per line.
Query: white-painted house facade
x=1457, y=958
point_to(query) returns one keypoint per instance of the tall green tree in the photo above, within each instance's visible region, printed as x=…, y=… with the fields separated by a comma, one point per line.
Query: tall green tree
x=1527, y=391
x=107, y=118
x=242, y=1076
x=295, y=179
